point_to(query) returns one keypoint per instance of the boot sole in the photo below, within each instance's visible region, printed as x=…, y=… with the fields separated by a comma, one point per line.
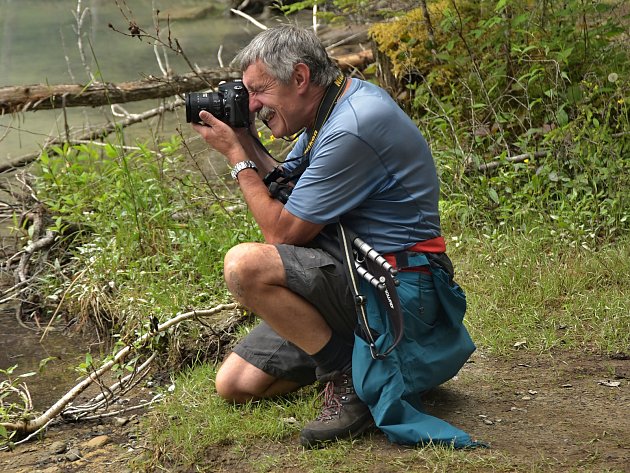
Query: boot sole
x=321, y=443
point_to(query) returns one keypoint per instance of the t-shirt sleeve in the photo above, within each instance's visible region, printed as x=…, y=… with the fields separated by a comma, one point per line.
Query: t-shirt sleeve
x=344, y=171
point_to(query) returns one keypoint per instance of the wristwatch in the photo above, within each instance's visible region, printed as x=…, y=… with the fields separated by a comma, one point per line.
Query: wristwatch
x=242, y=165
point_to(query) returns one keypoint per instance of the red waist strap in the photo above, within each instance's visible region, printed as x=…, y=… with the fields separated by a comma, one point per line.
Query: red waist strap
x=434, y=245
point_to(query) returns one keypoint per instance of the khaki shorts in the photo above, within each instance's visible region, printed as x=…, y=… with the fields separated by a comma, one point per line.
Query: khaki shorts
x=317, y=277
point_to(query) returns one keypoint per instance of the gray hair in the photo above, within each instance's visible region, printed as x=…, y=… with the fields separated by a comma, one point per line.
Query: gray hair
x=282, y=47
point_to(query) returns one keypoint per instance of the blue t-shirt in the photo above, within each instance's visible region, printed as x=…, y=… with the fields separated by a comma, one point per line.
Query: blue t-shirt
x=370, y=167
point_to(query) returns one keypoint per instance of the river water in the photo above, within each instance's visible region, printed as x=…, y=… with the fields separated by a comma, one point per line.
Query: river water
x=39, y=44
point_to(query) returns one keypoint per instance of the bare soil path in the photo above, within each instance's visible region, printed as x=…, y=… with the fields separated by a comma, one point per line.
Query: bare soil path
x=566, y=411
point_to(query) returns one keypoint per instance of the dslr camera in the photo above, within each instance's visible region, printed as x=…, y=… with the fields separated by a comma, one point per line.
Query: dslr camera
x=230, y=104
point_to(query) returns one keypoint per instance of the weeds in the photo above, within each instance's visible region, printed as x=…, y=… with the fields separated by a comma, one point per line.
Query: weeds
x=546, y=84
x=148, y=236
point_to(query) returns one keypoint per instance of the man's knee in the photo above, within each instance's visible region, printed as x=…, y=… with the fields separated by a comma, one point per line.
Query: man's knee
x=239, y=381
x=227, y=388
x=250, y=266
x=228, y=382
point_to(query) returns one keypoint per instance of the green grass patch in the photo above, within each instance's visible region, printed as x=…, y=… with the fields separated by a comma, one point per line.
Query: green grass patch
x=524, y=290
x=195, y=430
x=194, y=419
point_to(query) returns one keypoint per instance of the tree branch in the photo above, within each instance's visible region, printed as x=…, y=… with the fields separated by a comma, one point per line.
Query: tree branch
x=26, y=426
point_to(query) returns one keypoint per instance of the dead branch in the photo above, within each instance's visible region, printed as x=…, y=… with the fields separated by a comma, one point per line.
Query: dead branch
x=26, y=426
x=40, y=244
x=511, y=159
x=107, y=395
x=45, y=97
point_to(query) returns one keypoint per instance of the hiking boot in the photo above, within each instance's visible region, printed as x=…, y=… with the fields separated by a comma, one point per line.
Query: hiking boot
x=343, y=414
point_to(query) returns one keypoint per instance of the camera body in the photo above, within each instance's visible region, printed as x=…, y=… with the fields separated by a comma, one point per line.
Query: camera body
x=230, y=104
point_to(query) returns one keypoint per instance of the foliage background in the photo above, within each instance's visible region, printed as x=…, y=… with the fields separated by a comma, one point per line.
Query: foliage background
x=534, y=95
x=525, y=106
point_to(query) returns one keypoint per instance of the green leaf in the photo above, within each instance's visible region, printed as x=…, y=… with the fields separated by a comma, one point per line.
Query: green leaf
x=500, y=5
x=27, y=375
x=562, y=117
x=9, y=370
x=493, y=195
x=44, y=362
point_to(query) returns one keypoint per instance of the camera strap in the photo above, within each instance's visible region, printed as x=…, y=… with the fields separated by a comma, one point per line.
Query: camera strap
x=380, y=274
x=277, y=181
x=331, y=97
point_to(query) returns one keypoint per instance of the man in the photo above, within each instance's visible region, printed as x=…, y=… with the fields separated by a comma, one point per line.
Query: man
x=368, y=166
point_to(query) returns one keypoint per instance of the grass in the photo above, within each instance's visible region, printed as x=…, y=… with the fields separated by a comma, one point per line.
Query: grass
x=194, y=430
x=547, y=295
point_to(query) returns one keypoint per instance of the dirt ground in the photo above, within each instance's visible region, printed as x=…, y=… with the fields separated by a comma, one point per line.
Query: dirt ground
x=566, y=411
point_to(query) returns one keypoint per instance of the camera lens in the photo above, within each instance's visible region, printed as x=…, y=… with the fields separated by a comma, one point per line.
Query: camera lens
x=211, y=102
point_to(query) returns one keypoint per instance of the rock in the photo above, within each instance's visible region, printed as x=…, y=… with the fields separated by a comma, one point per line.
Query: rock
x=97, y=442
x=120, y=421
x=50, y=469
x=57, y=447
x=73, y=455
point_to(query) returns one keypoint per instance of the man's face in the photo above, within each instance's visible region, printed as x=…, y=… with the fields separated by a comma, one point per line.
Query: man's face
x=277, y=104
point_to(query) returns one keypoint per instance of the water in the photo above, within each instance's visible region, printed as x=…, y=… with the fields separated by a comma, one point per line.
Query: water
x=39, y=44
x=60, y=353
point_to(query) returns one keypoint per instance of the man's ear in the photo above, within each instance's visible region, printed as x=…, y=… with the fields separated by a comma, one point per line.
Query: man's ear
x=301, y=76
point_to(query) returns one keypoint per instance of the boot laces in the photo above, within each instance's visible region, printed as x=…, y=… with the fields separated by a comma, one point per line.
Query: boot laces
x=332, y=403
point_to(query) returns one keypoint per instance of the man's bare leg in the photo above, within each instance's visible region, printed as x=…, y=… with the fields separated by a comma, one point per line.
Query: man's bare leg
x=239, y=381
x=256, y=277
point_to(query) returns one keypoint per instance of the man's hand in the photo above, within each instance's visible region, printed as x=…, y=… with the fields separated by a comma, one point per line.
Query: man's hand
x=221, y=137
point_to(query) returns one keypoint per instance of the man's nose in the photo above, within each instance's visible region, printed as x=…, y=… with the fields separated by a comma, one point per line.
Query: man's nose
x=254, y=104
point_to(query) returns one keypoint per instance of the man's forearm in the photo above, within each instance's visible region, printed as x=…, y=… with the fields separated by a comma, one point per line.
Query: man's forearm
x=254, y=151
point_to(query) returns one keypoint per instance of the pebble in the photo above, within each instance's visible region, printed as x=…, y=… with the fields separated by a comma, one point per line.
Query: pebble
x=120, y=421
x=58, y=447
x=97, y=442
x=73, y=455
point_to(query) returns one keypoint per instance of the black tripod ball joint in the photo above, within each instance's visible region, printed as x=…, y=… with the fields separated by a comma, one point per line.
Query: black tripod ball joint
x=277, y=184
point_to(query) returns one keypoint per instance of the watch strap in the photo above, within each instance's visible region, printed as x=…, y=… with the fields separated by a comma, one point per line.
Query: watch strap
x=241, y=165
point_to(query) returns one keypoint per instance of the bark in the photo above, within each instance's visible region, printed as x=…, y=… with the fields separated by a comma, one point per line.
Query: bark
x=358, y=60
x=46, y=97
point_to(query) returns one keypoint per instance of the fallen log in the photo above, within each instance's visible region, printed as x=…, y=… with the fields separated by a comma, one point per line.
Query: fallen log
x=45, y=97
x=23, y=98
x=358, y=60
